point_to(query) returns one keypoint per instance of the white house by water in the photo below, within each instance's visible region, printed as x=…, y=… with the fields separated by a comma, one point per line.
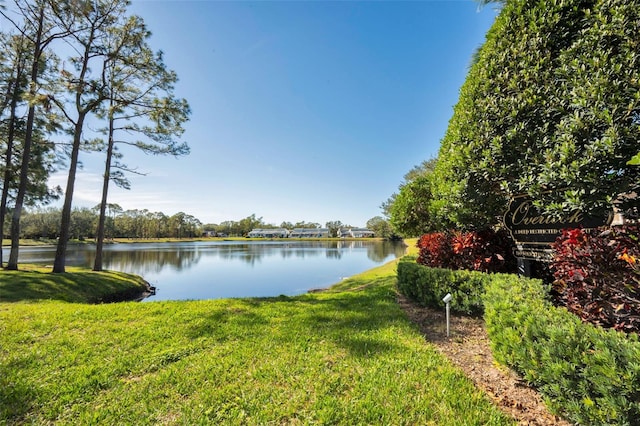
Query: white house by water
x=309, y=233
x=355, y=233
x=269, y=233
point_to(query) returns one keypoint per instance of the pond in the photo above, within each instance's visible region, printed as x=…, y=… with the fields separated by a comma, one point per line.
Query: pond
x=225, y=269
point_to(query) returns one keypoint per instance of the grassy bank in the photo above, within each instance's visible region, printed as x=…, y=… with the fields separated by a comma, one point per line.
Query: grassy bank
x=36, y=283
x=28, y=242
x=345, y=356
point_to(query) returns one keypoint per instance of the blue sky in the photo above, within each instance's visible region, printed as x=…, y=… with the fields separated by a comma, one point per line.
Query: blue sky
x=301, y=110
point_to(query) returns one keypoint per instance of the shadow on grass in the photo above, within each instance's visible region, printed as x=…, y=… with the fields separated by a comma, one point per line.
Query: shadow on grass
x=367, y=347
x=37, y=283
x=347, y=319
x=354, y=320
x=245, y=321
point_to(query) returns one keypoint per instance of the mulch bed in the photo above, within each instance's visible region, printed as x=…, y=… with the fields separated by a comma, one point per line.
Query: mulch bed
x=468, y=348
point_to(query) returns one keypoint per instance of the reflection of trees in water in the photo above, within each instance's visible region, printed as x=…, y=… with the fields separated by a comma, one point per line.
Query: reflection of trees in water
x=182, y=256
x=152, y=261
x=243, y=252
x=78, y=257
x=379, y=252
x=333, y=253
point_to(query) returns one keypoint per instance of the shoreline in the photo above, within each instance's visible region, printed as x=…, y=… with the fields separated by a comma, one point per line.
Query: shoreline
x=115, y=292
x=52, y=243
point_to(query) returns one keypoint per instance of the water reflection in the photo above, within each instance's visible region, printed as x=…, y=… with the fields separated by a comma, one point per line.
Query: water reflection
x=150, y=261
x=377, y=252
x=180, y=256
x=232, y=269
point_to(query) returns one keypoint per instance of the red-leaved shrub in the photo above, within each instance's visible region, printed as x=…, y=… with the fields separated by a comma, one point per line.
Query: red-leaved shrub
x=486, y=251
x=435, y=249
x=597, y=275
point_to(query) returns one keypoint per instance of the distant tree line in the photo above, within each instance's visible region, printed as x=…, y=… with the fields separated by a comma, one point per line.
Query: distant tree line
x=242, y=227
x=44, y=224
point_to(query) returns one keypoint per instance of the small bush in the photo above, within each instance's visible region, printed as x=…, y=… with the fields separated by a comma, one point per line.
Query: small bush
x=486, y=251
x=588, y=374
x=435, y=249
x=597, y=275
x=427, y=286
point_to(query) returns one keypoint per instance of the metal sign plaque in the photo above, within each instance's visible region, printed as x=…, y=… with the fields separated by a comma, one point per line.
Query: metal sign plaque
x=534, y=231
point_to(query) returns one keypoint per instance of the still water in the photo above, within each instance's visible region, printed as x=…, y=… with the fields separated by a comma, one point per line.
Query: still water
x=223, y=269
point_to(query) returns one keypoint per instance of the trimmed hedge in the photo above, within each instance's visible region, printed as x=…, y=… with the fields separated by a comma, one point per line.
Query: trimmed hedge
x=589, y=375
x=427, y=286
x=586, y=373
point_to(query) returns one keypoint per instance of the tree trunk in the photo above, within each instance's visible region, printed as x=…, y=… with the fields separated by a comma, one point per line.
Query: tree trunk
x=26, y=153
x=8, y=171
x=65, y=223
x=97, y=264
x=12, y=264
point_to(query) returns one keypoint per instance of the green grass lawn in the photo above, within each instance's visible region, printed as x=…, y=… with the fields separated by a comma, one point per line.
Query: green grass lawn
x=346, y=356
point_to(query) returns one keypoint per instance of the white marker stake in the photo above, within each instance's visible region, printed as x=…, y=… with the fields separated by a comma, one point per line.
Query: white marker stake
x=446, y=299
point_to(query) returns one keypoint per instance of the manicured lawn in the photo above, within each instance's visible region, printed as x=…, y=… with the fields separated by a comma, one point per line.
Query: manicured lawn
x=345, y=356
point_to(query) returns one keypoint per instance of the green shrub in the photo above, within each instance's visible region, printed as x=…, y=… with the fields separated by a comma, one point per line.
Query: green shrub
x=588, y=374
x=428, y=286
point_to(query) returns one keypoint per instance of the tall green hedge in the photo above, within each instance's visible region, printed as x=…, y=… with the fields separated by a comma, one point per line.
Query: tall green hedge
x=551, y=103
x=589, y=375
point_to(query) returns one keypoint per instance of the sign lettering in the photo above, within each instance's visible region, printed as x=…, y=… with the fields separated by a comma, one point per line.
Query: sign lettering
x=534, y=231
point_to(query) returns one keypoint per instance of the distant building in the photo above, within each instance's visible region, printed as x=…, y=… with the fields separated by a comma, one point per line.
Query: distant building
x=269, y=233
x=309, y=233
x=355, y=233
x=209, y=234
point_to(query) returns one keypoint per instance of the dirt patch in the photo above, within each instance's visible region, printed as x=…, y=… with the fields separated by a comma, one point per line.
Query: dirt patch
x=468, y=348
